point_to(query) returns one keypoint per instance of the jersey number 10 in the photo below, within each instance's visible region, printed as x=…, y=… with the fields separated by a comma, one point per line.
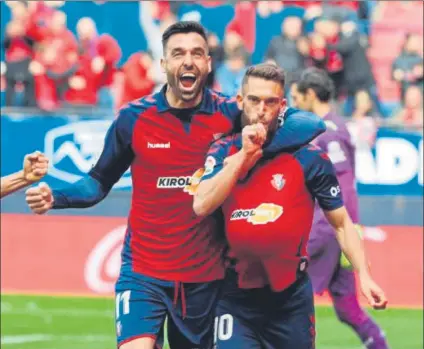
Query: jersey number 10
x=223, y=327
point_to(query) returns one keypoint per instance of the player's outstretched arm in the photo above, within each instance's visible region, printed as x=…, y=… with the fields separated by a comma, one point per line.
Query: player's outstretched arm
x=34, y=168
x=298, y=129
x=222, y=173
x=116, y=157
x=352, y=246
x=323, y=184
x=84, y=193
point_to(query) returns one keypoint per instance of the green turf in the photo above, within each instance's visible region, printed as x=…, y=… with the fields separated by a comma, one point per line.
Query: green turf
x=29, y=322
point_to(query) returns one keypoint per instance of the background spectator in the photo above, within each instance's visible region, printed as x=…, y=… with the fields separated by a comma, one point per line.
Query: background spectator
x=287, y=50
x=154, y=22
x=103, y=53
x=327, y=32
x=411, y=112
x=60, y=53
x=216, y=51
x=408, y=66
x=322, y=33
x=358, y=74
x=363, y=106
x=230, y=74
x=363, y=125
x=138, y=77
x=19, y=51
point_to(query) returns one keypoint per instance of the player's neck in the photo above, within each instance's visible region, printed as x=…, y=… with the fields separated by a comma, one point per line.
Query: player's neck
x=178, y=103
x=322, y=109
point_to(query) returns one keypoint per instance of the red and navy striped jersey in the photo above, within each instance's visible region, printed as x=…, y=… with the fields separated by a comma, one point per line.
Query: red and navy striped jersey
x=165, y=148
x=268, y=215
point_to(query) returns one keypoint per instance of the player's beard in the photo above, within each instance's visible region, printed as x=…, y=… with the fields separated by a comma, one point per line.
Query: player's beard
x=180, y=93
x=272, y=129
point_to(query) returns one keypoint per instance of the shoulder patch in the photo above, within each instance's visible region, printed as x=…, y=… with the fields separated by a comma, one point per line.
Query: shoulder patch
x=210, y=164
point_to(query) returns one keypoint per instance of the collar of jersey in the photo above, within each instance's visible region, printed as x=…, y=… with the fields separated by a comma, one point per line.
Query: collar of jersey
x=206, y=106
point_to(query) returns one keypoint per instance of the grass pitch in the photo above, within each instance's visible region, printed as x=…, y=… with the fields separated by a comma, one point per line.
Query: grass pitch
x=46, y=322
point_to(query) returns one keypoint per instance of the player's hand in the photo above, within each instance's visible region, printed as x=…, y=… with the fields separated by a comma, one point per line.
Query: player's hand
x=39, y=198
x=35, y=166
x=374, y=294
x=253, y=138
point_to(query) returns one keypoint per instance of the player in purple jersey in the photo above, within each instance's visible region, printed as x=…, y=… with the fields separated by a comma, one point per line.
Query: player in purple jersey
x=312, y=92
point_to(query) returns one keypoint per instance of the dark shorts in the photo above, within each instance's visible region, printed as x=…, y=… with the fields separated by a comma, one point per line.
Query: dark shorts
x=325, y=270
x=143, y=303
x=264, y=319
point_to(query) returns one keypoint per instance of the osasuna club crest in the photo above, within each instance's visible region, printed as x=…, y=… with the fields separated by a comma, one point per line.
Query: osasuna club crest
x=278, y=181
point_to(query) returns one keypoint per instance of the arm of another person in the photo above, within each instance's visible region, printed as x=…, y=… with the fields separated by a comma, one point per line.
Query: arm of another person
x=116, y=157
x=222, y=172
x=297, y=128
x=34, y=168
x=323, y=185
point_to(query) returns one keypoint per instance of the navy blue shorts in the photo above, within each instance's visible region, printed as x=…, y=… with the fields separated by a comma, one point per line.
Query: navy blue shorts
x=143, y=303
x=264, y=319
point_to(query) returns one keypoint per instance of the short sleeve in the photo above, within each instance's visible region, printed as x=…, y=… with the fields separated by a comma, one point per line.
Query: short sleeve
x=321, y=178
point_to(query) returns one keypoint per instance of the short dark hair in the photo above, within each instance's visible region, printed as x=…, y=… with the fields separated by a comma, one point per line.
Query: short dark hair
x=266, y=71
x=318, y=81
x=183, y=27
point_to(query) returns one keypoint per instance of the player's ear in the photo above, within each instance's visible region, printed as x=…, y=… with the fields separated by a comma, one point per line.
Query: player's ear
x=239, y=100
x=283, y=104
x=209, y=64
x=163, y=65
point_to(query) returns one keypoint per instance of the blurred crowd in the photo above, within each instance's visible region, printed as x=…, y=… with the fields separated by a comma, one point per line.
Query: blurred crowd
x=51, y=67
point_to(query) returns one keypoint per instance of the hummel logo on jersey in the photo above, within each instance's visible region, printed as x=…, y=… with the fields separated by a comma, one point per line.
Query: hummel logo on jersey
x=159, y=145
x=263, y=214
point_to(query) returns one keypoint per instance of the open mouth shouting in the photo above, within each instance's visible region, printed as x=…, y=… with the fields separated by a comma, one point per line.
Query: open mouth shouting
x=188, y=82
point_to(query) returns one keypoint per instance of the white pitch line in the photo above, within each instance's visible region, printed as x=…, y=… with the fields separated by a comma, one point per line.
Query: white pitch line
x=31, y=338
x=33, y=309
